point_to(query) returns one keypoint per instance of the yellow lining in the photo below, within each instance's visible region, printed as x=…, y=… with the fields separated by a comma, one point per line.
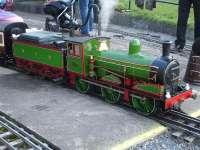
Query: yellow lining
x=140, y=138
x=195, y=114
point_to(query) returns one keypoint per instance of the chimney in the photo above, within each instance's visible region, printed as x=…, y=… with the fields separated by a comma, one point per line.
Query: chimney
x=166, y=47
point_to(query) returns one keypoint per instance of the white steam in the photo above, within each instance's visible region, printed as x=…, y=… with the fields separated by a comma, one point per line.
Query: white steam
x=107, y=10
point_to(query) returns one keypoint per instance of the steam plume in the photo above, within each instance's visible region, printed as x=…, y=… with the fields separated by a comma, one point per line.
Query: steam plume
x=107, y=10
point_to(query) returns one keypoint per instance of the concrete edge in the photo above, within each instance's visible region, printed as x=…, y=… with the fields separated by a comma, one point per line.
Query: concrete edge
x=156, y=131
x=140, y=138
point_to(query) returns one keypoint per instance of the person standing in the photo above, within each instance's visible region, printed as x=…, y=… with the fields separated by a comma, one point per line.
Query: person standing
x=2, y=4
x=183, y=15
x=84, y=10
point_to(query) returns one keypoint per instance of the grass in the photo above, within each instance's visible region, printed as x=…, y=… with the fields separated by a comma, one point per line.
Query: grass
x=164, y=13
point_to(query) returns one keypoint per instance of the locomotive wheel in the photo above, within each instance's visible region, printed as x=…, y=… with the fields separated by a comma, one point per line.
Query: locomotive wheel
x=110, y=95
x=145, y=107
x=82, y=86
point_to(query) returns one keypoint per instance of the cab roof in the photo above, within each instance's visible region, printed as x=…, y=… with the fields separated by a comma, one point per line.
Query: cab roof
x=46, y=37
x=79, y=39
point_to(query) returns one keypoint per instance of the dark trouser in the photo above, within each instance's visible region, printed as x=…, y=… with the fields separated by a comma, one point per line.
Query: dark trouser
x=183, y=15
x=84, y=8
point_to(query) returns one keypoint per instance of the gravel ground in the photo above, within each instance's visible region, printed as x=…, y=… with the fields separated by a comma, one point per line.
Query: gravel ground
x=167, y=142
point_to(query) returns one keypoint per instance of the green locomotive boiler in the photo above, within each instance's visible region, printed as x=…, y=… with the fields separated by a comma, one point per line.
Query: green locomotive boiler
x=146, y=83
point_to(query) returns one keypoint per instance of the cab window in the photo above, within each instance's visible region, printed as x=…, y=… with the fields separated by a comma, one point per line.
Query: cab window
x=75, y=50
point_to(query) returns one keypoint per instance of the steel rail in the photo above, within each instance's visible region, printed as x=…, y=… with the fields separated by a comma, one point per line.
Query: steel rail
x=26, y=136
x=154, y=39
x=185, y=116
x=20, y=135
x=10, y=147
x=180, y=121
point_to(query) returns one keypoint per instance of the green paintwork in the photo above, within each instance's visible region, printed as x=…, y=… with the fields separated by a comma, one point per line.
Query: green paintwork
x=134, y=47
x=150, y=88
x=37, y=54
x=90, y=47
x=146, y=107
x=74, y=64
x=110, y=95
x=82, y=86
x=137, y=66
x=111, y=79
x=120, y=62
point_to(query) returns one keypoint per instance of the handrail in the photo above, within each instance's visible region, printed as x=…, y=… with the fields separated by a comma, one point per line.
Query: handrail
x=72, y=3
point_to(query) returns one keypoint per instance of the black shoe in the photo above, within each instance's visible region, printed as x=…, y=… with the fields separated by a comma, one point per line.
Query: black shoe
x=179, y=48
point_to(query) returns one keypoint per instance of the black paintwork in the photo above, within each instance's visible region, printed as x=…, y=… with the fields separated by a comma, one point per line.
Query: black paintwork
x=196, y=47
x=8, y=29
x=168, y=69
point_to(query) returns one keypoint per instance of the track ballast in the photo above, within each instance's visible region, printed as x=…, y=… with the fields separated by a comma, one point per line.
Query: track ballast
x=180, y=121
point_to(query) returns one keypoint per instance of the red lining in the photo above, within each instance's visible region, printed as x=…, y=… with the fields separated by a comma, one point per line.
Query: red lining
x=126, y=96
x=72, y=76
x=83, y=64
x=40, y=69
x=159, y=96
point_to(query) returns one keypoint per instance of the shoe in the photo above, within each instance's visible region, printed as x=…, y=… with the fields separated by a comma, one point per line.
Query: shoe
x=85, y=35
x=179, y=48
x=78, y=33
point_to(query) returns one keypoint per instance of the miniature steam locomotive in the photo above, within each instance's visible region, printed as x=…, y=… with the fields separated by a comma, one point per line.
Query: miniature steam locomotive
x=88, y=64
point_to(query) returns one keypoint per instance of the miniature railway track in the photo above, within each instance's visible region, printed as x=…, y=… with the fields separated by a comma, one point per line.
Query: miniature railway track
x=15, y=136
x=154, y=40
x=189, y=126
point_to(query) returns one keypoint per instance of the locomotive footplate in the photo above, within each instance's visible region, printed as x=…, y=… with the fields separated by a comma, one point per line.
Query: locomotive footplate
x=178, y=99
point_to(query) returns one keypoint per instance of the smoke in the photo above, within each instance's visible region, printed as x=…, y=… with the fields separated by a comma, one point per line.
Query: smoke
x=107, y=10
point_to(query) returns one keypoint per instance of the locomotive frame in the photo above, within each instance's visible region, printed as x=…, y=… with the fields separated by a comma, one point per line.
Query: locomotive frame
x=130, y=78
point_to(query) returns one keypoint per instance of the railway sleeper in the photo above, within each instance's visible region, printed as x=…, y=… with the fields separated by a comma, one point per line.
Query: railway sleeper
x=189, y=139
x=177, y=134
x=183, y=136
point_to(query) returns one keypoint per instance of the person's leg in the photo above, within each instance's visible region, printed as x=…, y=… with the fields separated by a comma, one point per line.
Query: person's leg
x=183, y=14
x=84, y=12
x=91, y=20
x=196, y=5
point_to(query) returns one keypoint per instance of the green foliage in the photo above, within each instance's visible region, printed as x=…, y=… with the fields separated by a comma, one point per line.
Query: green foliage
x=164, y=13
